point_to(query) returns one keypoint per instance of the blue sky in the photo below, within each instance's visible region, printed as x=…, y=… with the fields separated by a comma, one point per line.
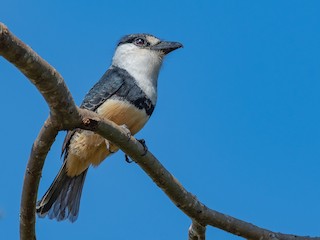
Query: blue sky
x=237, y=119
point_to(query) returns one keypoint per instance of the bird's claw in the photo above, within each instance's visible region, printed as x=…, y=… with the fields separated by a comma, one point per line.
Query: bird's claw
x=128, y=160
x=126, y=130
x=145, y=148
x=108, y=145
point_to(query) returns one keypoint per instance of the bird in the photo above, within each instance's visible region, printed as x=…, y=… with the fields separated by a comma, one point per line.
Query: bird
x=127, y=95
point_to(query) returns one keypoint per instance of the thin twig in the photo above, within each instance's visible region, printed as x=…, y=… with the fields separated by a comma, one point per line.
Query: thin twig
x=197, y=231
x=39, y=151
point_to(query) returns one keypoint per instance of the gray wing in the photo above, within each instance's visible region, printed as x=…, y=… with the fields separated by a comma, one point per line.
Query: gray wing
x=105, y=88
x=118, y=83
x=62, y=200
x=111, y=82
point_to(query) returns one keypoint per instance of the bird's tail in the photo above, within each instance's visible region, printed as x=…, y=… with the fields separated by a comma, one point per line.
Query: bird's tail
x=62, y=199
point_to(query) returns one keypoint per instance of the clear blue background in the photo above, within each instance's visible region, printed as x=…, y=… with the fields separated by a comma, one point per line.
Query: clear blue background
x=237, y=121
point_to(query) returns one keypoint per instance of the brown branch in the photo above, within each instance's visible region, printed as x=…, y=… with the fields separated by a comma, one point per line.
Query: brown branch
x=183, y=199
x=48, y=81
x=197, y=231
x=65, y=115
x=40, y=149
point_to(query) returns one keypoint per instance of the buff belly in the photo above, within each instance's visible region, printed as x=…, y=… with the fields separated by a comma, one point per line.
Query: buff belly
x=88, y=148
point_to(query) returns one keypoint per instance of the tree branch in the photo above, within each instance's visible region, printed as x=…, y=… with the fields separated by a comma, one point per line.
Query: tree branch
x=197, y=231
x=48, y=81
x=65, y=115
x=183, y=199
x=40, y=149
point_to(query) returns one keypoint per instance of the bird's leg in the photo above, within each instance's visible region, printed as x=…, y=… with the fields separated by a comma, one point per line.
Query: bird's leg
x=128, y=160
x=126, y=130
x=108, y=145
x=145, y=148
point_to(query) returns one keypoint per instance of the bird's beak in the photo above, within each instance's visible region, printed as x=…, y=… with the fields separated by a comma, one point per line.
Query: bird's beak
x=166, y=47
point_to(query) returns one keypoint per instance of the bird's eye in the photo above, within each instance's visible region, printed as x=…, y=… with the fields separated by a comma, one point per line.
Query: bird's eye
x=140, y=42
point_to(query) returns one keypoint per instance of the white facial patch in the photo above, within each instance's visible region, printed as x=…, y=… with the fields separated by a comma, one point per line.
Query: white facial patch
x=141, y=63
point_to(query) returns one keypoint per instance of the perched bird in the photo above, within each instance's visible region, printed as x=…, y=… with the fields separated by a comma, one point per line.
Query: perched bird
x=126, y=94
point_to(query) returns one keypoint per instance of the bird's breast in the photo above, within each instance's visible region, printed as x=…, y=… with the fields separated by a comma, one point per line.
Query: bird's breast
x=123, y=112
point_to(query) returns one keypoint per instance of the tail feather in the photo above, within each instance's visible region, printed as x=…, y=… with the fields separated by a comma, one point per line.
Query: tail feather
x=62, y=199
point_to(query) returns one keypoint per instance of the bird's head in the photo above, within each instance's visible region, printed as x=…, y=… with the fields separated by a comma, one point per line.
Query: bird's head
x=141, y=52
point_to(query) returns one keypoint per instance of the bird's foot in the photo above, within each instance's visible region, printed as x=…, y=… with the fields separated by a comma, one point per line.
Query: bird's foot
x=128, y=160
x=126, y=130
x=145, y=149
x=109, y=145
